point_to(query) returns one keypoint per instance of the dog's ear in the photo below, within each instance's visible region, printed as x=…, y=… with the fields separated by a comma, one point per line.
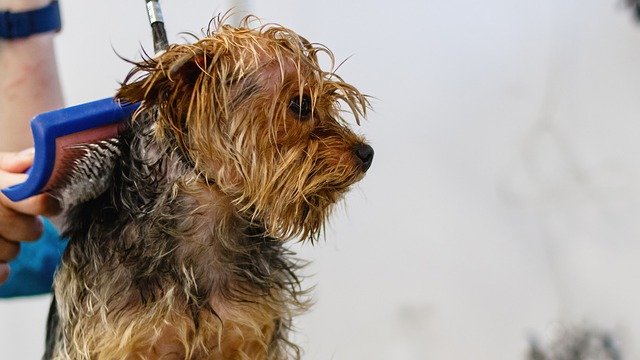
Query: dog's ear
x=152, y=79
x=187, y=68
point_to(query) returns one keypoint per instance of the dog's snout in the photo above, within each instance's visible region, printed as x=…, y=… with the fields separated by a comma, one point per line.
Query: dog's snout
x=364, y=153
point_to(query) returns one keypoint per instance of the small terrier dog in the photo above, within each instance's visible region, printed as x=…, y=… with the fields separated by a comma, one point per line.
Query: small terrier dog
x=239, y=145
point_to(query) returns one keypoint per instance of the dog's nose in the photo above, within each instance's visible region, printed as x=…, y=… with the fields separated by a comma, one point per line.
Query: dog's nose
x=364, y=153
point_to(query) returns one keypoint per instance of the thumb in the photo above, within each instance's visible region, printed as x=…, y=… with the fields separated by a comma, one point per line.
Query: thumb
x=16, y=162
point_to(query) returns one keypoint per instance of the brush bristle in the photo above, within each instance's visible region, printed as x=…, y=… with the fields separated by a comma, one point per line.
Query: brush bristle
x=89, y=173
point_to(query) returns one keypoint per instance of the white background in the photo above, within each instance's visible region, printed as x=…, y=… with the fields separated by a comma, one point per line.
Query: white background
x=504, y=198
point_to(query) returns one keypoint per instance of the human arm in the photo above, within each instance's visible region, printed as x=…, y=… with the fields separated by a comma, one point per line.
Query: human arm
x=29, y=82
x=29, y=85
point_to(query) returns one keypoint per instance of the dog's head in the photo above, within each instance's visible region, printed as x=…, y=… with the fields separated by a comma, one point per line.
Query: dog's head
x=256, y=116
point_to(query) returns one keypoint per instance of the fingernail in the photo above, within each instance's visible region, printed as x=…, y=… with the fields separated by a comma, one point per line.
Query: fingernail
x=27, y=153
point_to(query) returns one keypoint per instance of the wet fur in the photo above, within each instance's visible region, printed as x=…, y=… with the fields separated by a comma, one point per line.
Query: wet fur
x=182, y=257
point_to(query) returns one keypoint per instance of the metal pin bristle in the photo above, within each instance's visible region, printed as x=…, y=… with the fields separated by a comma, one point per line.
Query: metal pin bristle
x=90, y=172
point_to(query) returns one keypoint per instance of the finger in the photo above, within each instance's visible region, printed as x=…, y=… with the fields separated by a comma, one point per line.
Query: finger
x=19, y=227
x=16, y=162
x=36, y=205
x=8, y=250
x=4, y=272
x=9, y=178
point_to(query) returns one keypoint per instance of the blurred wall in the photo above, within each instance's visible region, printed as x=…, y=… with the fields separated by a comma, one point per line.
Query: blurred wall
x=504, y=199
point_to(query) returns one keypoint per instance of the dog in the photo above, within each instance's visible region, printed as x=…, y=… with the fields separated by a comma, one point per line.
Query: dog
x=240, y=144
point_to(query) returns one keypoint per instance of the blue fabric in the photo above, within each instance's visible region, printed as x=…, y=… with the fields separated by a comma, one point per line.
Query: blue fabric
x=32, y=271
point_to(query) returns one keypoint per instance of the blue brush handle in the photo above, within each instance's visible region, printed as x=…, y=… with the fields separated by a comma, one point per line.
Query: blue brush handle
x=47, y=127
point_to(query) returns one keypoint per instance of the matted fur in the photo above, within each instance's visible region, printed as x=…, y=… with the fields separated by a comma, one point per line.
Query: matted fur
x=182, y=257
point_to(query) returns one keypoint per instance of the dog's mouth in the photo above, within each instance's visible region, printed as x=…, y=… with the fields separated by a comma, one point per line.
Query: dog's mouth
x=295, y=198
x=302, y=216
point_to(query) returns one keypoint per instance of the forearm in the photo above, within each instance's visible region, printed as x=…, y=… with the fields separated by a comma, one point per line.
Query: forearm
x=29, y=82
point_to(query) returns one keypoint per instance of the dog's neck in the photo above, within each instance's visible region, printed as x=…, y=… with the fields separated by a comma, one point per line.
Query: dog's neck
x=226, y=248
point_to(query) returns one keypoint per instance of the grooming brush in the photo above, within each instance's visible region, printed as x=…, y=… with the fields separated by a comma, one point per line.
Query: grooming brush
x=76, y=148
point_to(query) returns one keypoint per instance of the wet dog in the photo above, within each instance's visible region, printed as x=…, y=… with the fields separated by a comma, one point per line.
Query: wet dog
x=240, y=144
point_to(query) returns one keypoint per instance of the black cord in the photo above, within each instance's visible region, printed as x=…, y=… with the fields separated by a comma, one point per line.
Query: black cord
x=159, y=34
x=156, y=20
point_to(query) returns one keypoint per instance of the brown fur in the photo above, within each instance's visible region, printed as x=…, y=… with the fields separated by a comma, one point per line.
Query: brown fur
x=182, y=257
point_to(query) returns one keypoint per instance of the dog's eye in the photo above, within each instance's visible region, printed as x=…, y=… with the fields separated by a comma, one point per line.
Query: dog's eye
x=301, y=106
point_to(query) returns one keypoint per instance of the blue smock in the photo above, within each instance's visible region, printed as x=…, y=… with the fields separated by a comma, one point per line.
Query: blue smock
x=31, y=272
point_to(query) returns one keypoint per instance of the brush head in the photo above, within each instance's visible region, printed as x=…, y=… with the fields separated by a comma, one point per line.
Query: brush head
x=75, y=149
x=85, y=171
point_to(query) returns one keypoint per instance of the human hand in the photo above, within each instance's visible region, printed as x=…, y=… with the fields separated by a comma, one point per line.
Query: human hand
x=19, y=220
